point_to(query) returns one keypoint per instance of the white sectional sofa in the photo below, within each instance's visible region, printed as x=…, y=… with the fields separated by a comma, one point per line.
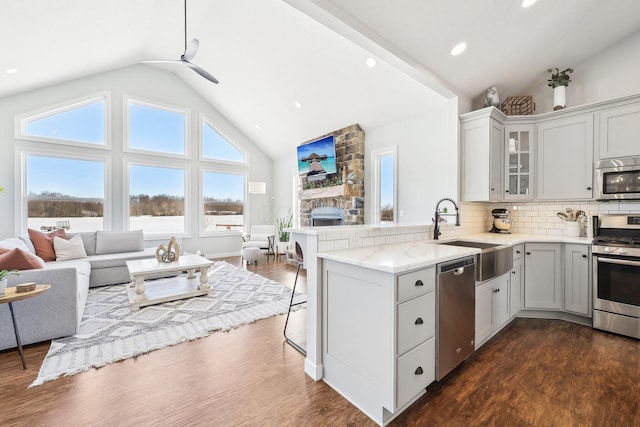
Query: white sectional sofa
x=57, y=312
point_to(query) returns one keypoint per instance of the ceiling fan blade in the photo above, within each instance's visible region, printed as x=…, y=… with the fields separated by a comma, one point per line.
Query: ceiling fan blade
x=162, y=61
x=200, y=71
x=191, y=51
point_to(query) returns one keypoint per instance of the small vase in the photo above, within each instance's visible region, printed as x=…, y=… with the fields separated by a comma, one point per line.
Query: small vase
x=3, y=286
x=559, y=97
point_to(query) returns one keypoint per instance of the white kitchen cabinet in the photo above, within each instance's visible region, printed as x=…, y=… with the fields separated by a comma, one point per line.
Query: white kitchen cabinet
x=564, y=153
x=378, y=336
x=516, y=284
x=543, y=285
x=492, y=307
x=577, y=286
x=619, y=128
x=519, y=162
x=481, y=158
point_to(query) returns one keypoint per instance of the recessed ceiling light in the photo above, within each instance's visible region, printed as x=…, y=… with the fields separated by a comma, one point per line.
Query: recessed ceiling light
x=258, y=127
x=11, y=70
x=458, y=49
x=297, y=104
x=371, y=62
x=527, y=3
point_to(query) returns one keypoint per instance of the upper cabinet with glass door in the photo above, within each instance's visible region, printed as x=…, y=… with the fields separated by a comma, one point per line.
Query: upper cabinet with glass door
x=519, y=162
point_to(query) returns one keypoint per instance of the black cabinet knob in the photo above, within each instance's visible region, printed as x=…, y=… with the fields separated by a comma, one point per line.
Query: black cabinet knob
x=517, y=252
x=506, y=191
x=493, y=189
x=589, y=188
x=584, y=256
x=528, y=253
x=419, y=321
x=513, y=272
x=419, y=371
x=419, y=283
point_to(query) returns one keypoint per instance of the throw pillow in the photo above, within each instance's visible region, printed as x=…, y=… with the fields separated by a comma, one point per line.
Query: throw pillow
x=69, y=249
x=12, y=243
x=44, y=243
x=17, y=259
x=112, y=242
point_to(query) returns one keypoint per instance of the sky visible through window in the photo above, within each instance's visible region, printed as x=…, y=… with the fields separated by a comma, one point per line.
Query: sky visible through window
x=223, y=186
x=84, y=123
x=386, y=181
x=72, y=177
x=214, y=146
x=156, y=129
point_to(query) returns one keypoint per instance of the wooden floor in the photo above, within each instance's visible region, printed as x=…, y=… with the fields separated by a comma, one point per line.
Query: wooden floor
x=533, y=373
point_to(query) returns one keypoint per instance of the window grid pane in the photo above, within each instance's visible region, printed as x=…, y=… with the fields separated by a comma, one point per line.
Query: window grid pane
x=223, y=200
x=81, y=123
x=216, y=147
x=153, y=128
x=156, y=200
x=71, y=198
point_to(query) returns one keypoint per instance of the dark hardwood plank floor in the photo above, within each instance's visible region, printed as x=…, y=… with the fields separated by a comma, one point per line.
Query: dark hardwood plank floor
x=533, y=373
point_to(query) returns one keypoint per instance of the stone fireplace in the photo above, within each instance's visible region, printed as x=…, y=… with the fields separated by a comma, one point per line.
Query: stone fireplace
x=346, y=197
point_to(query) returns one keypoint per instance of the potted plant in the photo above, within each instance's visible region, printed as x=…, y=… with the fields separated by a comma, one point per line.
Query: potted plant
x=3, y=280
x=283, y=236
x=559, y=81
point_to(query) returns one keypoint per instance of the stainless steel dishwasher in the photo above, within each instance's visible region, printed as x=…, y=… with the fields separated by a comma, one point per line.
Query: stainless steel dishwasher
x=455, y=314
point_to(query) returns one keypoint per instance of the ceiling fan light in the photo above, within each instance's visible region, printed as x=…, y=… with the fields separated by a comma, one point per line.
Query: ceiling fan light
x=458, y=49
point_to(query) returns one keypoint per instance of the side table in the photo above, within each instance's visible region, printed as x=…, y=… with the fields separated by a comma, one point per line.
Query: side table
x=10, y=296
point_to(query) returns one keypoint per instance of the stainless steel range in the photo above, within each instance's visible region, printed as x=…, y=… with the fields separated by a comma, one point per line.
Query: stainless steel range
x=616, y=274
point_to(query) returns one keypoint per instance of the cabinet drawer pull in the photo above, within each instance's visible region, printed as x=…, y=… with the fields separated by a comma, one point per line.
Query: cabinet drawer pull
x=495, y=291
x=528, y=253
x=419, y=321
x=419, y=370
x=517, y=252
x=419, y=283
x=584, y=256
x=513, y=272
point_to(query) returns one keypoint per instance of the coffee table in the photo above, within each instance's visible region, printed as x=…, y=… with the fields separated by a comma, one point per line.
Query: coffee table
x=142, y=292
x=11, y=296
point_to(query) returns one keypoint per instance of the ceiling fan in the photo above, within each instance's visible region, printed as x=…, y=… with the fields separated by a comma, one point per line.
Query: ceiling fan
x=189, y=52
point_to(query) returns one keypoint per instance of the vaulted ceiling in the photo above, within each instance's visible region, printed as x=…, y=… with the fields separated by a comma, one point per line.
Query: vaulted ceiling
x=269, y=54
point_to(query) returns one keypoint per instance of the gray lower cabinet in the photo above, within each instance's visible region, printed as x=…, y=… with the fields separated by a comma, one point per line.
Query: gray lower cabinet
x=492, y=307
x=378, y=336
x=577, y=286
x=543, y=276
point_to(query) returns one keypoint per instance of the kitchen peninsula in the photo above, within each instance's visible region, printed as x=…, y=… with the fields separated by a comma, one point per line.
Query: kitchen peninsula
x=363, y=359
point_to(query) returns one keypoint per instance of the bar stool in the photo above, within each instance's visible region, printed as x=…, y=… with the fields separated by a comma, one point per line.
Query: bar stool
x=299, y=259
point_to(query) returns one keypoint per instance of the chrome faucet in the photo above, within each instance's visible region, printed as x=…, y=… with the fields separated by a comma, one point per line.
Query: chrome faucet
x=436, y=228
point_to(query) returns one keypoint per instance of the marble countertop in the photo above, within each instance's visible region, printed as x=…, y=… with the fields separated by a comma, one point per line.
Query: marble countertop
x=408, y=256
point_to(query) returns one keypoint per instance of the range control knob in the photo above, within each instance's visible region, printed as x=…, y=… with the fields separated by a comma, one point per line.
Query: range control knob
x=622, y=251
x=608, y=250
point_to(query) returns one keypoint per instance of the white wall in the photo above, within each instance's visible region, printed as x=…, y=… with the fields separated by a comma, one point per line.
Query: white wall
x=612, y=73
x=147, y=83
x=427, y=163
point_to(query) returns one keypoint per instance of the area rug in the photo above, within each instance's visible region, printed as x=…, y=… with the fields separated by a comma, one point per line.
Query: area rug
x=110, y=331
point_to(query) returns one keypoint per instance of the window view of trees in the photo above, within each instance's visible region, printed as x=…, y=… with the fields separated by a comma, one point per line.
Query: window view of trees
x=223, y=200
x=157, y=199
x=72, y=197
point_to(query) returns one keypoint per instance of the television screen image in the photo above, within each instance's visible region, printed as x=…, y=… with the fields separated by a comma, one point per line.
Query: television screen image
x=317, y=159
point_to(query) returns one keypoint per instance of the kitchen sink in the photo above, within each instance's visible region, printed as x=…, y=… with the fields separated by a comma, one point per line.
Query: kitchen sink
x=493, y=261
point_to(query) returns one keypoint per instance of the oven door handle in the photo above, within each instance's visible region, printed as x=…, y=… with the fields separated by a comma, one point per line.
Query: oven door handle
x=618, y=261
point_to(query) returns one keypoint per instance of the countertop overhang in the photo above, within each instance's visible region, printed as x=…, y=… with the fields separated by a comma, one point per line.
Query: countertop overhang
x=404, y=257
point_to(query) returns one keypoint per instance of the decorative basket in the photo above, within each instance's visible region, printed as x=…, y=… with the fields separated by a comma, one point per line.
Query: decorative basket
x=518, y=106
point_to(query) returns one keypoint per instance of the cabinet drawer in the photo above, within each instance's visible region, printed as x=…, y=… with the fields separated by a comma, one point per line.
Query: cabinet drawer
x=417, y=283
x=415, y=371
x=518, y=251
x=416, y=321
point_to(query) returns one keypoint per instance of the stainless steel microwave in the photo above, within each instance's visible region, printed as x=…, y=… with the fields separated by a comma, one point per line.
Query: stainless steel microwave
x=618, y=179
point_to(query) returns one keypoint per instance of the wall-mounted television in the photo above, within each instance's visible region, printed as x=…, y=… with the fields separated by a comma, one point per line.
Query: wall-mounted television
x=317, y=159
